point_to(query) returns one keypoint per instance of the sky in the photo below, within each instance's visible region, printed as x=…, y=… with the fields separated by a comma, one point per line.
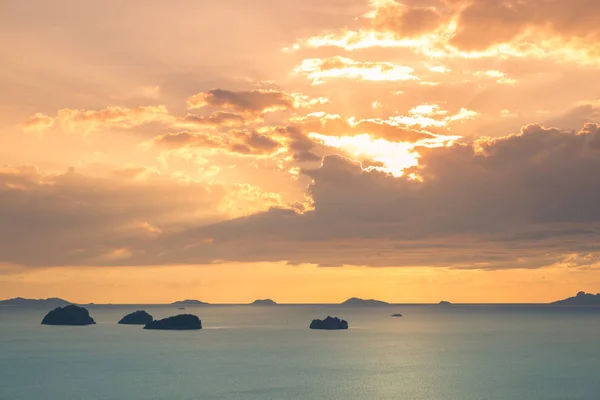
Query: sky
x=306, y=151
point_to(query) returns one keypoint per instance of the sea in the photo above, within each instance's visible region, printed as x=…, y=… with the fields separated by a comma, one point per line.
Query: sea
x=458, y=352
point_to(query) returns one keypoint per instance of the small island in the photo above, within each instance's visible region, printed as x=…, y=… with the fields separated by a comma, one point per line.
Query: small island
x=20, y=301
x=68, y=315
x=355, y=301
x=136, y=318
x=188, y=302
x=329, y=323
x=177, y=323
x=581, y=299
x=396, y=315
x=444, y=303
x=263, y=302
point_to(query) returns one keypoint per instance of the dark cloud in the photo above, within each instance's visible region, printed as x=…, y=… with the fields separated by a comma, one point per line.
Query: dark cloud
x=301, y=146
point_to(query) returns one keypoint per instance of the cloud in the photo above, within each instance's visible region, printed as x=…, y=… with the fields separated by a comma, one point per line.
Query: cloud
x=521, y=201
x=56, y=219
x=475, y=29
x=38, y=123
x=86, y=121
x=252, y=102
x=318, y=70
x=235, y=141
x=74, y=219
x=403, y=20
x=335, y=125
x=218, y=118
x=485, y=23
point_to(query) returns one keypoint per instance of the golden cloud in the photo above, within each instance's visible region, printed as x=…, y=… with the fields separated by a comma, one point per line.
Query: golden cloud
x=318, y=70
x=38, y=123
x=87, y=121
x=252, y=102
x=234, y=141
x=476, y=29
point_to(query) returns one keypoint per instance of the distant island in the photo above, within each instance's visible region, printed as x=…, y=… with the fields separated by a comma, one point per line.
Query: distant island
x=189, y=303
x=396, y=315
x=581, y=299
x=329, y=323
x=177, y=323
x=68, y=315
x=444, y=303
x=355, y=301
x=20, y=301
x=263, y=302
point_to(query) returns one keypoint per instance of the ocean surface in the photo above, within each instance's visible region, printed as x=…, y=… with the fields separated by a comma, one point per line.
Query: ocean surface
x=252, y=352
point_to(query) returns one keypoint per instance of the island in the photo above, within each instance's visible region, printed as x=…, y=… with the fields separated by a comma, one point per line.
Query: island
x=68, y=315
x=177, y=323
x=396, y=315
x=263, y=302
x=444, y=303
x=581, y=299
x=20, y=301
x=329, y=323
x=140, y=317
x=355, y=301
x=189, y=303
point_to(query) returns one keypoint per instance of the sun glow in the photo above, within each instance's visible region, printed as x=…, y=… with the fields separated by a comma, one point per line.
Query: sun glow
x=394, y=157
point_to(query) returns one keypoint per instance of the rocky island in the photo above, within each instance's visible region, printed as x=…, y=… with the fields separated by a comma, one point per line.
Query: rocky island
x=329, y=323
x=355, y=301
x=444, y=303
x=68, y=315
x=581, y=299
x=188, y=302
x=177, y=323
x=263, y=302
x=136, y=318
x=396, y=315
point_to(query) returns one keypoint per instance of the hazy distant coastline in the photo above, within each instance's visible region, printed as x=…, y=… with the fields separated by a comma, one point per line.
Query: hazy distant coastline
x=581, y=299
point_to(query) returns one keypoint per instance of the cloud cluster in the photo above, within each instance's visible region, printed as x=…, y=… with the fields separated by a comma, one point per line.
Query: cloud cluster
x=520, y=201
x=468, y=28
x=523, y=200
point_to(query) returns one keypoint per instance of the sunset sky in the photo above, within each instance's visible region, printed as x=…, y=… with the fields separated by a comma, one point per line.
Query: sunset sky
x=306, y=151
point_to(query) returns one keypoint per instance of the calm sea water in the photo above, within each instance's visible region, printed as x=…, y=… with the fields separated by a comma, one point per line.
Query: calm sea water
x=445, y=353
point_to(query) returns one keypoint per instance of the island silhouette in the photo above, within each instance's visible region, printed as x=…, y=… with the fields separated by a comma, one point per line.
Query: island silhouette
x=50, y=302
x=329, y=323
x=68, y=315
x=176, y=323
x=580, y=299
x=189, y=302
x=139, y=317
x=263, y=302
x=355, y=301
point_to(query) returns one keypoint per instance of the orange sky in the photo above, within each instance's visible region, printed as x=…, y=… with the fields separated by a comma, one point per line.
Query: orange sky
x=305, y=151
